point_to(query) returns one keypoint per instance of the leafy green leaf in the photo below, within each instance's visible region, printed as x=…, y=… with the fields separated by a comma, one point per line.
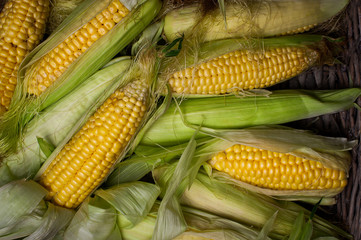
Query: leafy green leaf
x=46, y=147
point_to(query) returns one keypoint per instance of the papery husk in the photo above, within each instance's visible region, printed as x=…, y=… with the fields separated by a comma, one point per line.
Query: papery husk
x=111, y=210
x=206, y=21
x=200, y=224
x=26, y=215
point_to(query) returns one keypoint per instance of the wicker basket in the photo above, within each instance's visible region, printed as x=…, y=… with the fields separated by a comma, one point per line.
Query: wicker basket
x=347, y=212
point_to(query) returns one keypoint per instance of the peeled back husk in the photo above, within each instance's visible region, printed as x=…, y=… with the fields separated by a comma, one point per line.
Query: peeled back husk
x=26, y=215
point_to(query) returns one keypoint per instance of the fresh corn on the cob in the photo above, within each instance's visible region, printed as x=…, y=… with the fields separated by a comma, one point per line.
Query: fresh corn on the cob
x=87, y=158
x=273, y=170
x=50, y=67
x=248, y=18
x=235, y=65
x=294, y=164
x=56, y=121
x=22, y=27
x=243, y=70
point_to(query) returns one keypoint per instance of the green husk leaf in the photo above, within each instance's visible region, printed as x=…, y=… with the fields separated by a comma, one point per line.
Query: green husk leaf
x=26, y=225
x=132, y=200
x=307, y=231
x=22, y=229
x=46, y=147
x=21, y=198
x=267, y=227
x=222, y=9
x=247, y=18
x=170, y=221
x=143, y=161
x=26, y=215
x=297, y=227
x=55, y=219
x=142, y=231
x=56, y=121
x=150, y=34
x=95, y=219
x=232, y=112
x=202, y=221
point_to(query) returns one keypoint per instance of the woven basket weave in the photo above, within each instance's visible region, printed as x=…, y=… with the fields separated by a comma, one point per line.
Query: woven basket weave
x=347, y=211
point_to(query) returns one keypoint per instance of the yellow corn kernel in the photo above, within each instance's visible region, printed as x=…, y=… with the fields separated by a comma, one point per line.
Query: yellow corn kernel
x=73, y=174
x=72, y=48
x=243, y=70
x=279, y=170
x=22, y=27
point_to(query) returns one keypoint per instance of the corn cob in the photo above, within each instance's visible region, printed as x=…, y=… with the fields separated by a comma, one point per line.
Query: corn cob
x=248, y=19
x=275, y=170
x=243, y=70
x=22, y=26
x=56, y=121
x=50, y=67
x=88, y=157
x=62, y=48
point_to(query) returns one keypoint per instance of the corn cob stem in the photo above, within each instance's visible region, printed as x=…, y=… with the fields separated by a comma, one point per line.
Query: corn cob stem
x=22, y=26
x=88, y=157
